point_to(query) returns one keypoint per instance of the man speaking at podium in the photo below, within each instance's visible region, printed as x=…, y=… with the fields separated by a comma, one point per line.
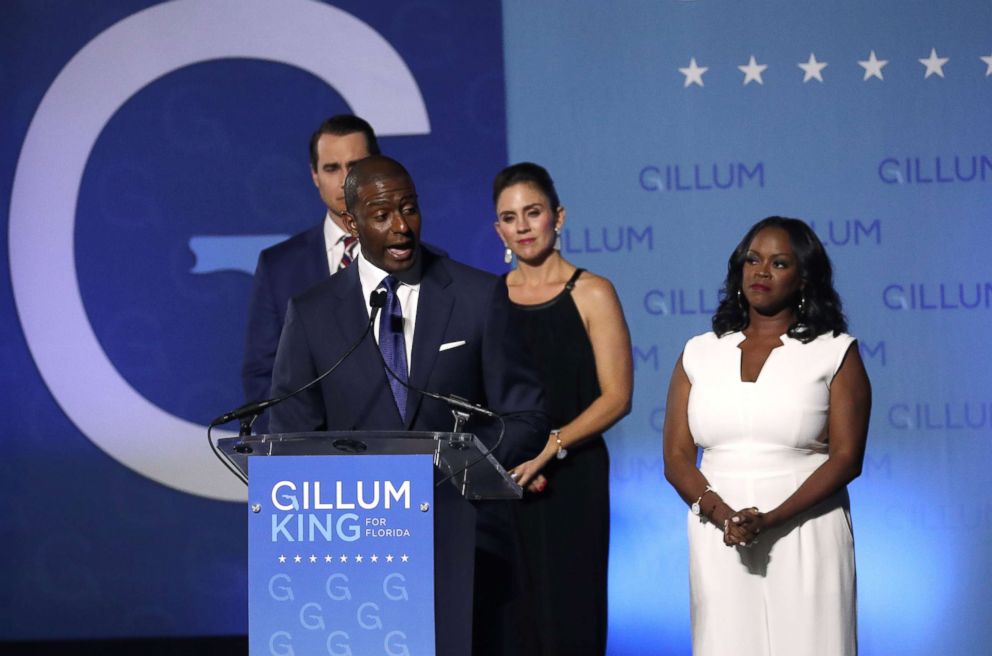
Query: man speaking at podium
x=293, y=265
x=445, y=327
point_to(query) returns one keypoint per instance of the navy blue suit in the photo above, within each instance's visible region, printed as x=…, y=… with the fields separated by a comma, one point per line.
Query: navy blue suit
x=283, y=271
x=457, y=303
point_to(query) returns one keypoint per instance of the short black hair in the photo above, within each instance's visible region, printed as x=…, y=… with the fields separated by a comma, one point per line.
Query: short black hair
x=341, y=125
x=357, y=177
x=822, y=311
x=530, y=173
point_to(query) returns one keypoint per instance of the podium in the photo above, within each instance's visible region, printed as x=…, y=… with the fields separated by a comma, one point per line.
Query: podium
x=363, y=542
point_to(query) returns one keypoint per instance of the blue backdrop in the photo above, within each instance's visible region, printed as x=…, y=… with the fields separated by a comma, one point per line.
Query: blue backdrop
x=150, y=150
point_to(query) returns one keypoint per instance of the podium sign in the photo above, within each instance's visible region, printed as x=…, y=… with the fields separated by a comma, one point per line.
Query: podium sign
x=341, y=555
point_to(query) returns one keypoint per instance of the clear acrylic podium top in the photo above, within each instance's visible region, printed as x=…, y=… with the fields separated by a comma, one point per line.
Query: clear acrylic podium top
x=476, y=474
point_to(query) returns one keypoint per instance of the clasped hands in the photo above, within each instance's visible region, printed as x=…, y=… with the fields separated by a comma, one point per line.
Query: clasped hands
x=741, y=528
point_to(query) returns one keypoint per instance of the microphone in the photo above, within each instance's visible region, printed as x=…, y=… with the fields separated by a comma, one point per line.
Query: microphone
x=461, y=404
x=455, y=402
x=377, y=300
x=452, y=400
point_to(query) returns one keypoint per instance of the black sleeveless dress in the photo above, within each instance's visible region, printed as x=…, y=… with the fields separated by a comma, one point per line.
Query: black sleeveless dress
x=565, y=530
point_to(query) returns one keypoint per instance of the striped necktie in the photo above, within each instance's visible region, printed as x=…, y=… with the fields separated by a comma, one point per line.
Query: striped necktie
x=350, y=243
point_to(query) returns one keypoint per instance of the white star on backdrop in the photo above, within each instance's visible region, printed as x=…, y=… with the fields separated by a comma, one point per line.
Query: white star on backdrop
x=389, y=558
x=404, y=558
x=328, y=558
x=812, y=69
x=752, y=71
x=934, y=64
x=282, y=559
x=873, y=66
x=374, y=558
x=988, y=62
x=358, y=558
x=694, y=73
x=297, y=559
x=313, y=558
x=343, y=558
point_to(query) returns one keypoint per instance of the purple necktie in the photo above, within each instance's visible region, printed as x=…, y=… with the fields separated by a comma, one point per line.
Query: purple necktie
x=392, y=344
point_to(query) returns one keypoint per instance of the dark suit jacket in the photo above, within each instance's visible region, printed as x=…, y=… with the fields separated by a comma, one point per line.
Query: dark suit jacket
x=456, y=303
x=283, y=271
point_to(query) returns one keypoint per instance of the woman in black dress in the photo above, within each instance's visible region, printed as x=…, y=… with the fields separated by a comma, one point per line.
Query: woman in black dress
x=578, y=335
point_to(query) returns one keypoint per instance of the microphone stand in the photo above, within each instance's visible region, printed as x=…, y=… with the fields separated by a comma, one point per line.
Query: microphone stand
x=460, y=418
x=249, y=412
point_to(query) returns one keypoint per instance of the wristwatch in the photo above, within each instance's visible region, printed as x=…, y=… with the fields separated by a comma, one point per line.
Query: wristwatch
x=696, y=510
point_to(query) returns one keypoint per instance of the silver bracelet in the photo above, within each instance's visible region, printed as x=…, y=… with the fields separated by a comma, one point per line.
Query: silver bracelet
x=562, y=451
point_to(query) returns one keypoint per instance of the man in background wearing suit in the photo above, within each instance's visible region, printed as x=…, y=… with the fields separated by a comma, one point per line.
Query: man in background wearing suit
x=447, y=328
x=296, y=264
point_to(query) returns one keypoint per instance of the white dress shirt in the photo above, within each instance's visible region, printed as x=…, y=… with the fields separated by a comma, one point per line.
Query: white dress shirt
x=407, y=293
x=334, y=243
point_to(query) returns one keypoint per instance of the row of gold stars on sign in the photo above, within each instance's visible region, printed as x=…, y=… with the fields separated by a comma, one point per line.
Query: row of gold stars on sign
x=343, y=558
x=813, y=69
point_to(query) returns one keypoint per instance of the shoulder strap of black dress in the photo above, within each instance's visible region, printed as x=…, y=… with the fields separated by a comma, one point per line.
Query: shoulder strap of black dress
x=570, y=285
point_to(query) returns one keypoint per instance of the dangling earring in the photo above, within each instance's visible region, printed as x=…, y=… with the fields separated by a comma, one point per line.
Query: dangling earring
x=801, y=326
x=740, y=303
x=508, y=255
x=557, y=239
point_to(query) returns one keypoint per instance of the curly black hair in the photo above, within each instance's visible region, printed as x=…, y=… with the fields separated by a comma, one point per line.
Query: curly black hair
x=822, y=311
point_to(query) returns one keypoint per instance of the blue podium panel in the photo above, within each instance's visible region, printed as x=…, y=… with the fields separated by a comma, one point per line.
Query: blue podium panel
x=341, y=555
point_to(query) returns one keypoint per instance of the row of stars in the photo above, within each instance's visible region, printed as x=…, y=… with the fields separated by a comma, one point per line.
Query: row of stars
x=813, y=69
x=358, y=558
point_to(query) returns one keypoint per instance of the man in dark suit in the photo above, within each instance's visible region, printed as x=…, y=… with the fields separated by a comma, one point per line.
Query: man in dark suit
x=446, y=326
x=294, y=265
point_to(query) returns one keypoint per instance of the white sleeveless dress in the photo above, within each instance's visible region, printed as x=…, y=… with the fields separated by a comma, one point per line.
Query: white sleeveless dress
x=793, y=592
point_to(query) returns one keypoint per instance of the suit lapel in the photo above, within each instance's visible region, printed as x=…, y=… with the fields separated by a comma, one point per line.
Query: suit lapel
x=317, y=254
x=349, y=306
x=433, y=311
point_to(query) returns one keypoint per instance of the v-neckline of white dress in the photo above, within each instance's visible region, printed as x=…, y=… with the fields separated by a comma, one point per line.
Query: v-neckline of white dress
x=741, y=337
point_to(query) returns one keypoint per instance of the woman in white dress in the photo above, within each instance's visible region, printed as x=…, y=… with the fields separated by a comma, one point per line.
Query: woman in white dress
x=777, y=398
